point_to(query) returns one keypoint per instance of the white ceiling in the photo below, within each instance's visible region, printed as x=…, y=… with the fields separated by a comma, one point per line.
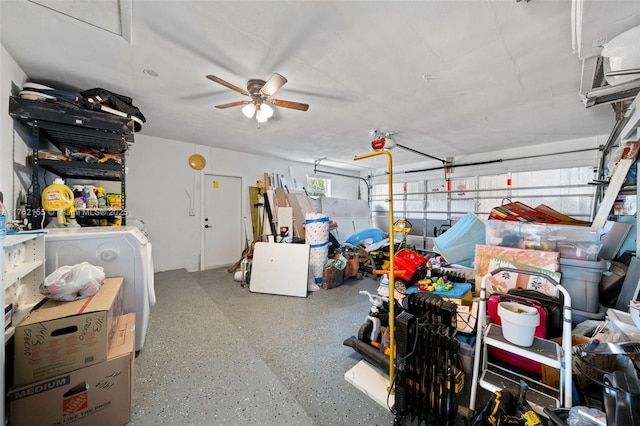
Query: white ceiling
x=454, y=78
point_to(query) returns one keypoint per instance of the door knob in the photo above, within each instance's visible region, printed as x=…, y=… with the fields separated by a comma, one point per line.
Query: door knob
x=206, y=226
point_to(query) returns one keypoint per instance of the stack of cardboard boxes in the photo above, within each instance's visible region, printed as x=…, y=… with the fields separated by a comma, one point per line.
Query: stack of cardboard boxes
x=74, y=362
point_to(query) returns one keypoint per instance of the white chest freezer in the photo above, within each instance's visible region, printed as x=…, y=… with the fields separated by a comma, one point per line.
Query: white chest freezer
x=123, y=251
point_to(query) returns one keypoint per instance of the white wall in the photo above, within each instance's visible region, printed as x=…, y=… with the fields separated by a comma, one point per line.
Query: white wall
x=159, y=181
x=160, y=184
x=11, y=144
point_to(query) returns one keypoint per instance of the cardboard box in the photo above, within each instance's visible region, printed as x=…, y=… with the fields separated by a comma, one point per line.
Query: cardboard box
x=97, y=395
x=562, y=218
x=551, y=376
x=59, y=337
x=520, y=212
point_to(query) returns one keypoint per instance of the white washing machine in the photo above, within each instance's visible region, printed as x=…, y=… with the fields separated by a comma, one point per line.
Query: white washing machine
x=123, y=251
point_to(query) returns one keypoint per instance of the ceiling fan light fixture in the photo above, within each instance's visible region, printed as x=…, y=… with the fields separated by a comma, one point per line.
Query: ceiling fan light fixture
x=261, y=106
x=263, y=113
x=248, y=110
x=266, y=110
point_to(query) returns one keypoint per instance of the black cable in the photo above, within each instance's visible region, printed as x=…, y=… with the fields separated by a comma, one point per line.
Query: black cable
x=421, y=153
x=458, y=315
x=456, y=165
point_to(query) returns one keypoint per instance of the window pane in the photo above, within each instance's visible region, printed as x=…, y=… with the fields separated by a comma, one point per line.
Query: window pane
x=318, y=187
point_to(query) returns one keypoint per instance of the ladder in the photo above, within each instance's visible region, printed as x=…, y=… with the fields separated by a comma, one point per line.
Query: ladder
x=629, y=155
x=495, y=378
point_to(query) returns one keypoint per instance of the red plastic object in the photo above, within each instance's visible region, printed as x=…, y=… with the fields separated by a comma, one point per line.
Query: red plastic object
x=541, y=331
x=411, y=262
x=378, y=144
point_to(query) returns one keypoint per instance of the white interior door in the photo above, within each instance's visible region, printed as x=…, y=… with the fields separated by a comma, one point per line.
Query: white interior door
x=222, y=220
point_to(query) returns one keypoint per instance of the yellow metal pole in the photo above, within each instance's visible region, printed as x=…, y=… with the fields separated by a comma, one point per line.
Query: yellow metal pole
x=392, y=317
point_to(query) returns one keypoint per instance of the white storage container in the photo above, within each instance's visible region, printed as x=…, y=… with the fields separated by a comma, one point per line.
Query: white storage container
x=519, y=322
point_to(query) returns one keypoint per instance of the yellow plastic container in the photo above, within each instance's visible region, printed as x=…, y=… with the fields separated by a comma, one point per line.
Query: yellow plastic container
x=114, y=200
x=57, y=196
x=102, y=199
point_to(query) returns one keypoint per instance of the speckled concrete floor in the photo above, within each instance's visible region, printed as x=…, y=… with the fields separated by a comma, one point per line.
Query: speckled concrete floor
x=217, y=354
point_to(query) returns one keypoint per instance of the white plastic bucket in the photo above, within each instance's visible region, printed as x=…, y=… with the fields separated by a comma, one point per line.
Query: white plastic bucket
x=519, y=322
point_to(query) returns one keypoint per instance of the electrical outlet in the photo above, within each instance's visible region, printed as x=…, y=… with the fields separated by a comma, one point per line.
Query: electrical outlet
x=192, y=212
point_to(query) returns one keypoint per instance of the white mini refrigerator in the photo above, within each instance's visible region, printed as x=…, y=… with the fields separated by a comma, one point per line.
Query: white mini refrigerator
x=123, y=251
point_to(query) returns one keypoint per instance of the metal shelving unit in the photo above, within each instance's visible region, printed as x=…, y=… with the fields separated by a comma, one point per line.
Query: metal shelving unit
x=65, y=125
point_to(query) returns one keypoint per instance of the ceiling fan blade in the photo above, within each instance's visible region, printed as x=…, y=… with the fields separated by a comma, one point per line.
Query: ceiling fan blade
x=228, y=85
x=275, y=82
x=232, y=104
x=289, y=104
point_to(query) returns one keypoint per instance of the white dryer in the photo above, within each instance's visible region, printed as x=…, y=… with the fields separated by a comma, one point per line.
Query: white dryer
x=123, y=251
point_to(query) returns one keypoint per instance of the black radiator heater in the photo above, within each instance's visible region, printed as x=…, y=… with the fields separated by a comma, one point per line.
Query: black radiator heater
x=426, y=361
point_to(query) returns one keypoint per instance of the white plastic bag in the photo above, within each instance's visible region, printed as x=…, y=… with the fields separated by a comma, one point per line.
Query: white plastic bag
x=69, y=283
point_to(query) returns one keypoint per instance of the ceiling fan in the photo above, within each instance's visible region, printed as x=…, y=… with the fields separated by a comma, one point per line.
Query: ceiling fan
x=259, y=92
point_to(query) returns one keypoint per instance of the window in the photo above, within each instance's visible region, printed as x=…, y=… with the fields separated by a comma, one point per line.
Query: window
x=318, y=187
